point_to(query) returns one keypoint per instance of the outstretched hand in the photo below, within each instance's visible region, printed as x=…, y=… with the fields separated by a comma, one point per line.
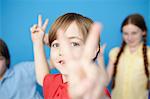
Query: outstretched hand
x=86, y=79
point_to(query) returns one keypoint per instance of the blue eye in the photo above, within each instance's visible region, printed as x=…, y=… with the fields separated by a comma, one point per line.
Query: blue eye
x=73, y=44
x=55, y=45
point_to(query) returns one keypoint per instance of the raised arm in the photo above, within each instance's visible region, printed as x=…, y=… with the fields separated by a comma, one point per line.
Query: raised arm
x=37, y=35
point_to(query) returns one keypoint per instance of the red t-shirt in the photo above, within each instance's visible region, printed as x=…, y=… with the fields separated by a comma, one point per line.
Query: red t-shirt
x=54, y=88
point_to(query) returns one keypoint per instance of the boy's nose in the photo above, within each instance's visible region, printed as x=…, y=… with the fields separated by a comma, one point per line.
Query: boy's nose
x=59, y=52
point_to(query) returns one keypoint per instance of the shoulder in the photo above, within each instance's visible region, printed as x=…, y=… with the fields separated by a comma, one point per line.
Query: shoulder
x=51, y=83
x=51, y=77
x=24, y=69
x=113, y=52
x=27, y=65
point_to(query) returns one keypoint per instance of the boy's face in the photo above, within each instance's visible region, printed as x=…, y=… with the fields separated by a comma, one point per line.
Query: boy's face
x=3, y=66
x=76, y=42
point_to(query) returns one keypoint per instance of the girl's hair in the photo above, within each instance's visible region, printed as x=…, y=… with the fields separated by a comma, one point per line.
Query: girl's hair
x=138, y=20
x=5, y=52
x=64, y=21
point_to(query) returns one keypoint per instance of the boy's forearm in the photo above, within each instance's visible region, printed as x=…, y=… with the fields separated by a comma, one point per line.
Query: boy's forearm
x=41, y=65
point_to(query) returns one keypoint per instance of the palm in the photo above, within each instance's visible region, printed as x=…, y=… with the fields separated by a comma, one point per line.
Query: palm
x=85, y=81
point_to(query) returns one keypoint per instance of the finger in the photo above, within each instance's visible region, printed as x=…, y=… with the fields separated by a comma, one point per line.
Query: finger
x=90, y=48
x=39, y=30
x=33, y=28
x=46, y=41
x=64, y=45
x=39, y=21
x=92, y=41
x=102, y=69
x=45, y=24
x=101, y=63
x=102, y=48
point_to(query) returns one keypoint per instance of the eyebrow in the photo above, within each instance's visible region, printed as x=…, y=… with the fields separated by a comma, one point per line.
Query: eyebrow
x=74, y=37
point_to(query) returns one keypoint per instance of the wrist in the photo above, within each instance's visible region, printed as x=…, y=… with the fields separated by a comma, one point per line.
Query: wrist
x=38, y=43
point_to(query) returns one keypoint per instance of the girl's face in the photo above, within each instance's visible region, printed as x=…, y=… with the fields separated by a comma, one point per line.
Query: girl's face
x=132, y=35
x=3, y=66
x=76, y=42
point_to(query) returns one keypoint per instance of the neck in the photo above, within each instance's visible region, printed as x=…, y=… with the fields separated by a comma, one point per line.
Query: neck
x=134, y=48
x=65, y=78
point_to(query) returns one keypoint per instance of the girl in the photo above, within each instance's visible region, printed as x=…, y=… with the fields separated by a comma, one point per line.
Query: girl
x=72, y=53
x=129, y=64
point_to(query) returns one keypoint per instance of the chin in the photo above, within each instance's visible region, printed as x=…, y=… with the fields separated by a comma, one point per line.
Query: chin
x=131, y=44
x=63, y=72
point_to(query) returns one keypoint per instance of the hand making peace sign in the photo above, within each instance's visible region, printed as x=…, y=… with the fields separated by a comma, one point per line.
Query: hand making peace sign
x=38, y=31
x=86, y=79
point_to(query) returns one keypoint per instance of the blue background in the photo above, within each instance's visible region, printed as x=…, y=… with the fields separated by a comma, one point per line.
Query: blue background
x=17, y=16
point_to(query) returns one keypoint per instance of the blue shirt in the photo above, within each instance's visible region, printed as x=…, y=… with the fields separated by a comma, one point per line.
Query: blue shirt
x=19, y=82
